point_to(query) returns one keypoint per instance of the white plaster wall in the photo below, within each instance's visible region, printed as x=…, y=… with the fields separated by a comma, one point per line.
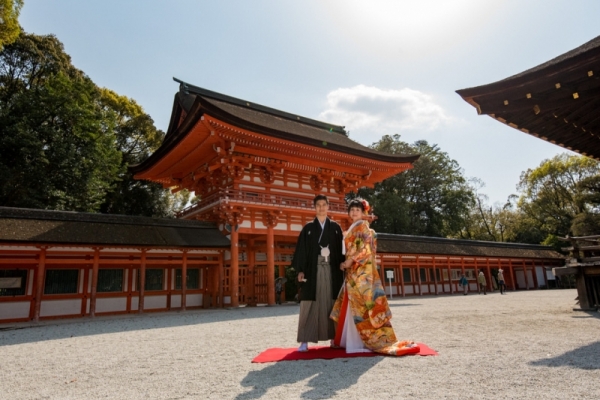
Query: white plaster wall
x=193, y=300
x=50, y=308
x=296, y=227
x=408, y=289
x=226, y=299
x=135, y=303
x=151, y=302
x=12, y=310
x=176, y=300
x=539, y=273
x=424, y=288
x=112, y=304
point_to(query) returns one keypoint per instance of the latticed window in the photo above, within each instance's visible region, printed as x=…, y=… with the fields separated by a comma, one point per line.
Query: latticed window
x=61, y=281
x=193, y=278
x=110, y=280
x=406, y=274
x=13, y=282
x=423, y=275
x=154, y=279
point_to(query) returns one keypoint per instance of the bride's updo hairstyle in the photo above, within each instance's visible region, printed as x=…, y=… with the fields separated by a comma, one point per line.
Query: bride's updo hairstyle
x=359, y=203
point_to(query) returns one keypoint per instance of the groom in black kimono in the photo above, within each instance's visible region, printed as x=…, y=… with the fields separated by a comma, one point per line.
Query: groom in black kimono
x=317, y=260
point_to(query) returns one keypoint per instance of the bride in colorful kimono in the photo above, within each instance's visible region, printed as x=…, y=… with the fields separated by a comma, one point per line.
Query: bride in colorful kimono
x=361, y=310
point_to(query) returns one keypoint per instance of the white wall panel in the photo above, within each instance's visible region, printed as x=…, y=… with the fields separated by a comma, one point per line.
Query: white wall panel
x=13, y=310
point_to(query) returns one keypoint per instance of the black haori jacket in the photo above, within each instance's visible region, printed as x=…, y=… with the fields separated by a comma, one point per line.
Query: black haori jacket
x=307, y=252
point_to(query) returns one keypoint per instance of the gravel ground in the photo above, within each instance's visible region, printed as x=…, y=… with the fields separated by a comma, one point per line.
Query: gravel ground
x=521, y=345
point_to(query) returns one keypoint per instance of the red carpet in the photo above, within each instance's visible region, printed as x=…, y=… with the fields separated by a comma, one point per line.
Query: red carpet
x=323, y=352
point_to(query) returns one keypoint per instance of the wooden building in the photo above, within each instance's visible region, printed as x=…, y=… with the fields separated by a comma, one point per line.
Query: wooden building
x=256, y=171
x=584, y=263
x=63, y=264
x=429, y=265
x=559, y=102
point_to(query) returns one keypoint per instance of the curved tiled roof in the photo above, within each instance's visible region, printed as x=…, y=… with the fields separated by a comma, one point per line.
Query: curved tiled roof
x=406, y=244
x=62, y=227
x=196, y=101
x=557, y=101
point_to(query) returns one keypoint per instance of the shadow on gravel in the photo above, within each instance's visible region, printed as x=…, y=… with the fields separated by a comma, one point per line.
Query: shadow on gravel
x=31, y=332
x=587, y=314
x=585, y=357
x=327, y=376
x=392, y=305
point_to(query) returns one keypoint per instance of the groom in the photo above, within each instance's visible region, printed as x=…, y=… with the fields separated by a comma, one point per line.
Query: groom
x=317, y=259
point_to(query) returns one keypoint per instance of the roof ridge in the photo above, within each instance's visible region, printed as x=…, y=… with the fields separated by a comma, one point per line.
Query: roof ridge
x=117, y=219
x=189, y=88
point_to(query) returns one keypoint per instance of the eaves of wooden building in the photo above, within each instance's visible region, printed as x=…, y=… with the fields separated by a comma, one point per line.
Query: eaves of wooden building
x=557, y=101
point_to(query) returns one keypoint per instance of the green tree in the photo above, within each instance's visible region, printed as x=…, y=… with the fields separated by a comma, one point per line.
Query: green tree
x=432, y=199
x=56, y=150
x=136, y=139
x=9, y=21
x=553, y=194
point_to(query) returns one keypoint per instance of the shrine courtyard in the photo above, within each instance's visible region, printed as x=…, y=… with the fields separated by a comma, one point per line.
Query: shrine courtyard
x=527, y=344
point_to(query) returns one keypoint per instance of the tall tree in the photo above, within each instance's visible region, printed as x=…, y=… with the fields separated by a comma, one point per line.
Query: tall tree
x=552, y=196
x=136, y=139
x=432, y=199
x=56, y=150
x=9, y=21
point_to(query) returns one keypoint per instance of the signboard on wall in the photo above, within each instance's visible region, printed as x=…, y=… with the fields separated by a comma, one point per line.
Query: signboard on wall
x=10, y=283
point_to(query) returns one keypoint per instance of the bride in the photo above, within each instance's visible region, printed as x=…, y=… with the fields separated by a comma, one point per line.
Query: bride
x=361, y=310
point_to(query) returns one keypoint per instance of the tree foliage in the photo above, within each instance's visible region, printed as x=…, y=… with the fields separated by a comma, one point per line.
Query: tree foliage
x=432, y=199
x=9, y=21
x=56, y=152
x=552, y=194
x=559, y=197
x=66, y=144
x=136, y=138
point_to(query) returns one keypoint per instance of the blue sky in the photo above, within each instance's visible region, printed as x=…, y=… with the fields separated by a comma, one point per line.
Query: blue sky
x=377, y=66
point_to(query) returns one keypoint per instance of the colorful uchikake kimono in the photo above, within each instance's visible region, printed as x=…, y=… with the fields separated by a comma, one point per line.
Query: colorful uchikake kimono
x=361, y=310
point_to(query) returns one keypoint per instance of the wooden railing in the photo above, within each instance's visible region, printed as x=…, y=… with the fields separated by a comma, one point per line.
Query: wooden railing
x=241, y=196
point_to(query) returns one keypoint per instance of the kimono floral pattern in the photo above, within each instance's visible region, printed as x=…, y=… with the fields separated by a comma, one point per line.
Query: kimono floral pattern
x=366, y=296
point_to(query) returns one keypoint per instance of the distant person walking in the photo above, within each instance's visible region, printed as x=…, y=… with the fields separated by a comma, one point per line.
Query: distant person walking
x=482, y=282
x=464, y=283
x=501, y=284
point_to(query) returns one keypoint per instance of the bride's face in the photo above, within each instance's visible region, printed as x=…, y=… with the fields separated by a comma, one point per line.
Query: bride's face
x=355, y=213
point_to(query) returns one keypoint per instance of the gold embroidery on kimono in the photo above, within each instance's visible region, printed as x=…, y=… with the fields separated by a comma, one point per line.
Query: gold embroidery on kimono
x=363, y=291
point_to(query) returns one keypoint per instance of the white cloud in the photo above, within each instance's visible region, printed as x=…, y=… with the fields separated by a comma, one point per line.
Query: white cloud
x=370, y=112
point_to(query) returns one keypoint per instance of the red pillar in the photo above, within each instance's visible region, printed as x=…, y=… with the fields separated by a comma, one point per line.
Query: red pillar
x=401, y=275
x=270, y=266
x=512, y=274
x=251, y=298
x=142, y=281
x=419, y=277
x=435, y=282
x=234, y=272
x=490, y=284
x=221, y=277
x=95, y=269
x=39, y=284
x=525, y=275
x=449, y=275
x=183, y=280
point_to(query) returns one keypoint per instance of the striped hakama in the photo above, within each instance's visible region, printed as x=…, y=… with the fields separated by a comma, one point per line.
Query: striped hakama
x=314, y=323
